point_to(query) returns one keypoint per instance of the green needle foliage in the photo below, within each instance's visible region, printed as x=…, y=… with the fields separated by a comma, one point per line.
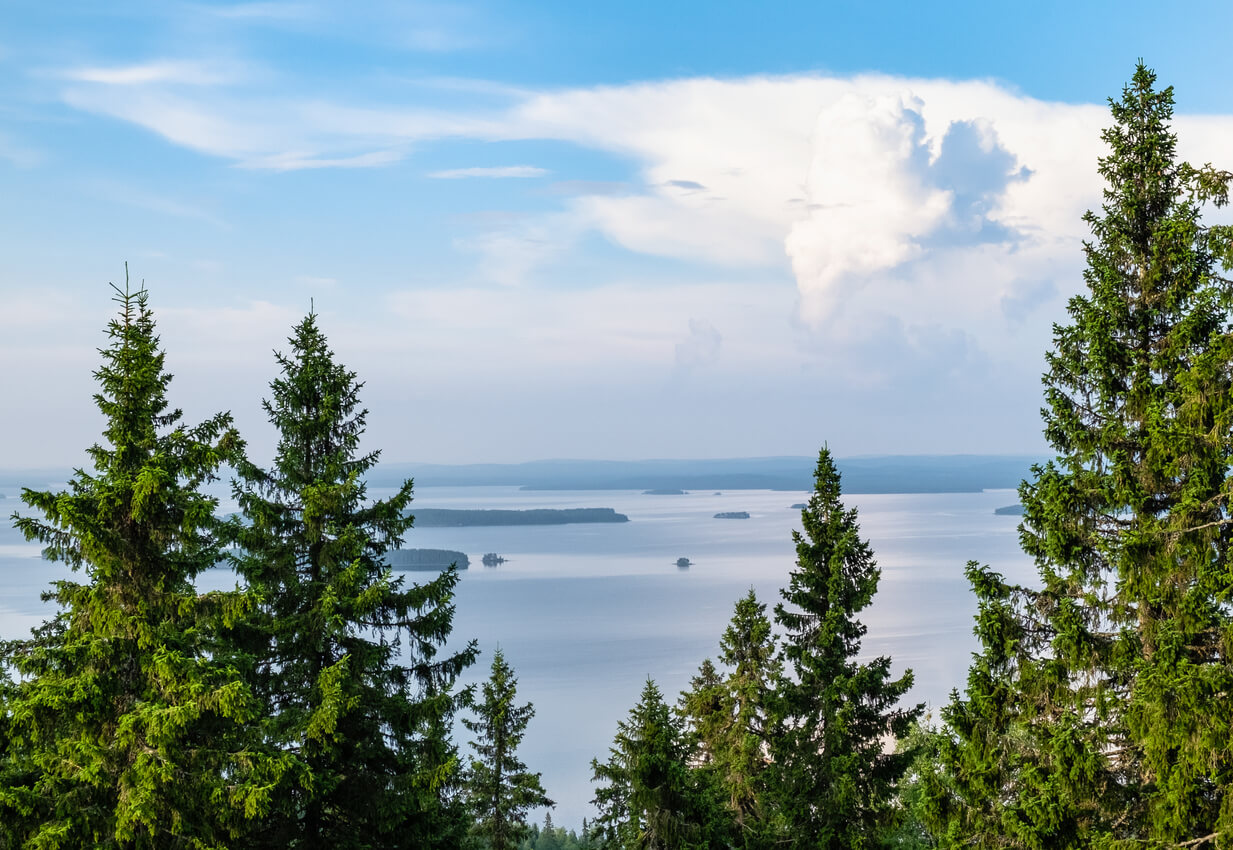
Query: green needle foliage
x=127, y=727
x=499, y=787
x=649, y=798
x=1106, y=689
x=962, y=800
x=748, y=648
x=833, y=780
x=706, y=709
x=729, y=717
x=344, y=656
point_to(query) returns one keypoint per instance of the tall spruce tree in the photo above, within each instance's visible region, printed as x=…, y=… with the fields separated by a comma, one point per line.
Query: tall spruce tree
x=832, y=776
x=499, y=788
x=345, y=657
x=127, y=727
x=1114, y=703
x=748, y=649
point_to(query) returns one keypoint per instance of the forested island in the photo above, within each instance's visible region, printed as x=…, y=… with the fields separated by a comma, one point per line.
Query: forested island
x=732, y=515
x=663, y=491
x=426, y=559
x=454, y=518
x=1009, y=510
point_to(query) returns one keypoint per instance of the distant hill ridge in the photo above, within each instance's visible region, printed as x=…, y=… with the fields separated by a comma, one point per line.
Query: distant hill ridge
x=875, y=474
x=865, y=474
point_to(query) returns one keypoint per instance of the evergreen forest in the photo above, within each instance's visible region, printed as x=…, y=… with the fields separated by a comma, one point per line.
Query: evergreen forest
x=315, y=704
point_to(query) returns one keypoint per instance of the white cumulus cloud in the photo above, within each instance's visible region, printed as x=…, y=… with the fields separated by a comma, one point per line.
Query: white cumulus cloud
x=928, y=201
x=868, y=197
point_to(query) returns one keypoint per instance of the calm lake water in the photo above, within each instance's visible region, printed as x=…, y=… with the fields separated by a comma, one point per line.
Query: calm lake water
x=585, y=613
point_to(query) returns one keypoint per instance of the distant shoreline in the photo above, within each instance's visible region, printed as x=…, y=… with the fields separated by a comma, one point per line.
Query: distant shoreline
x=450, y=518
x=902, y=474
x=885, y=474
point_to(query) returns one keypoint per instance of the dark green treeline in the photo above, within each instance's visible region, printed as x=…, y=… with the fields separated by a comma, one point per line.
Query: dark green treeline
x=313, y=706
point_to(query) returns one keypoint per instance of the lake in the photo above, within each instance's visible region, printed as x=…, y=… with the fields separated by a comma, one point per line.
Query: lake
x=585, y=613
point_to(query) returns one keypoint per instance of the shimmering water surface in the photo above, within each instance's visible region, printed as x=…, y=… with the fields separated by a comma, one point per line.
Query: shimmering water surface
x=585, y=613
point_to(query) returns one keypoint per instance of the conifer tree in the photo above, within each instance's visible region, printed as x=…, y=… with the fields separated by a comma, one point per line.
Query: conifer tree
x=962, y=796
x=729, y=716
x=345, y=656
x=498, y=785
x=748, y=649
x=649, y=798
x=706, y=709
x=911, y=827
x=1118, y=716
x=127, y=727
x=832, y=777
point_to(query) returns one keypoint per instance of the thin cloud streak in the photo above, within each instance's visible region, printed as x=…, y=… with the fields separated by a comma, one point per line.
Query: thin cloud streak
x=515, y=171
x=168, y=72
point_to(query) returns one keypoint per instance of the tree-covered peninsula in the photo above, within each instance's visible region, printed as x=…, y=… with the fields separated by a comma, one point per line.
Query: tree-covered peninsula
x=455, y=518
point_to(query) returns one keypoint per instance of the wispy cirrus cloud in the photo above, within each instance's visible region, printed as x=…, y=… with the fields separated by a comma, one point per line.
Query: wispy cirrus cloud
x=167, y=72
x=117, y=192
x=501, y=171
x=299, y=161
x=274, y=11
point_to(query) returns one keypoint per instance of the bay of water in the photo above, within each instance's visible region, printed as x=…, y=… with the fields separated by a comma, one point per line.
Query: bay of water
x=585, y=613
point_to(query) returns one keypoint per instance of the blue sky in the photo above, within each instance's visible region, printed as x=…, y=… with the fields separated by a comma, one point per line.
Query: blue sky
x=562, y=229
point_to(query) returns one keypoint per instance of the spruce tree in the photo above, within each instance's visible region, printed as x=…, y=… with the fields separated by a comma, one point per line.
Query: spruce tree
x=345, y=657
x=706, y=709
x=961, y=797
x=729, y=717
x=832, y=777
x=127, y=726
x=648, y=797
x=748, y=648
x=499, y=788
x=1118, y=715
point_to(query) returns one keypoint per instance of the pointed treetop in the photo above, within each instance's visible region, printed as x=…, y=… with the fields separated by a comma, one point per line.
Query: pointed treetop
x=826, y=485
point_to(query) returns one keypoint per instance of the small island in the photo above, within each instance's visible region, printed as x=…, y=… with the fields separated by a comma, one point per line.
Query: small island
x=683, y=562
x=1009, y=510
x=732, y=515
x=492, y=559
x=450, y=518
x=663, y=492
x=426, y=559
x=799, y=506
